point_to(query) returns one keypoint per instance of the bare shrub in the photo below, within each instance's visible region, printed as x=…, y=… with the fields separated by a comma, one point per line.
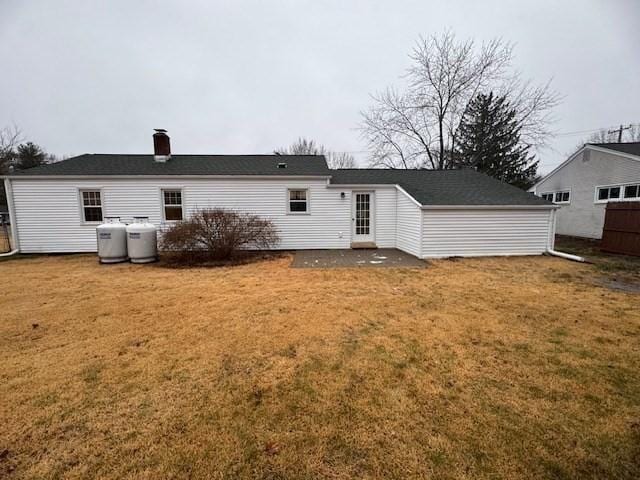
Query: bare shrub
x=217, y=234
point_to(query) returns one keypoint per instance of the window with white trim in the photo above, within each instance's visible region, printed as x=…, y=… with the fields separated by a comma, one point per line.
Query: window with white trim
x=561, y=196
x=298, y=201
x=91, y=205
x=632, y=192
x=618, y=193
x=608, y=193
x=172, y=204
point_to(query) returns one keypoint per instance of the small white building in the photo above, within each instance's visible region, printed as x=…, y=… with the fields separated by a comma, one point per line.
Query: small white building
x=56, y=207
x=590, y=178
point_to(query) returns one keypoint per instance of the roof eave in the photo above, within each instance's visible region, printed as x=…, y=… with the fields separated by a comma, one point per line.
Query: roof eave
x=490, y=207
x=164, y=177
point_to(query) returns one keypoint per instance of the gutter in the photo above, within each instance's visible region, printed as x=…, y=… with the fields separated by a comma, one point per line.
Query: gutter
x=490, y=207
x=170, y=177
x=551, y=242
x=568, y=256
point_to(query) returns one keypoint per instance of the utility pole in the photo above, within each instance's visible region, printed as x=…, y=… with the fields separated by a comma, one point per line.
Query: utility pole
x=619, y=130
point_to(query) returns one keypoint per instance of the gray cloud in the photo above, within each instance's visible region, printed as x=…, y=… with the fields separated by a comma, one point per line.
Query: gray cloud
x=249, y=76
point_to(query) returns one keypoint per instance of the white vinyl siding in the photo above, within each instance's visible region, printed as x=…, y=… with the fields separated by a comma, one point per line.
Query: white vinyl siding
x=49, y=215
x=49, y=212
x=408, y=225
x=385, y=217
x=467, y=233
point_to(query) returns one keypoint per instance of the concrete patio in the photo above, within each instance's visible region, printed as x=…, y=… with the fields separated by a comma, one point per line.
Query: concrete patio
x=381, y=257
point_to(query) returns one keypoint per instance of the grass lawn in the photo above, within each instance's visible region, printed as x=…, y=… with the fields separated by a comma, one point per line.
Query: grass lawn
x=476, y=368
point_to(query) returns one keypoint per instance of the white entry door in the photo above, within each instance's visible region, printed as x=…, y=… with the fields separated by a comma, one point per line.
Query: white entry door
x=362, y=217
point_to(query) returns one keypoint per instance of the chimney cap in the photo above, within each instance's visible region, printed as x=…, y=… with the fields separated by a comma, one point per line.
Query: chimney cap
x=160, y=130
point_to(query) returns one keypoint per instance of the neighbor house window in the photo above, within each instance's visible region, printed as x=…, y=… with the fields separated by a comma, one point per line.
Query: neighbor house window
x=172, y=204
x=608, y=193
x=548, y=196
x=562, y=196
x=91, y=205
x=632, y=192
x=618, y=192
x=298, y=201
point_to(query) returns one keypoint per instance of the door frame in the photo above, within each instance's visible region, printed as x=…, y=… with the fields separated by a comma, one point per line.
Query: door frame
x=372, y=217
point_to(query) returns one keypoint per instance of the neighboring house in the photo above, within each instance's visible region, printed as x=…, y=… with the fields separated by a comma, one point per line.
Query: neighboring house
x=56, y=207
x=590, y=178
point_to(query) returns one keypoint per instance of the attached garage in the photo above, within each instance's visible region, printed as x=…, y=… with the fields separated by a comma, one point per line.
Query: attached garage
x=485, y=232
x=450, y=213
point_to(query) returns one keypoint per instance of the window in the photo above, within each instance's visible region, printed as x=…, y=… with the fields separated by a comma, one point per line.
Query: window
x=618, y=192
x=632, y=191
x=172, y=204
x=608, y=193
x=548, y=196
x=562, y=196
x=91, y=205
x=298, y=201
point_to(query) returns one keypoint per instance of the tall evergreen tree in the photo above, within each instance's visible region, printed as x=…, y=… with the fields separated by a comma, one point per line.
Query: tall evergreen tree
x=488, y=140
x=30, y=155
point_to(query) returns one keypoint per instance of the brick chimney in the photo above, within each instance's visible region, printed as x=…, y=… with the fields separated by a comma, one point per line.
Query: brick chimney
x=161, y=145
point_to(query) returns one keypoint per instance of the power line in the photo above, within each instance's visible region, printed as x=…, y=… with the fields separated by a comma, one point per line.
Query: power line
x=620, y=130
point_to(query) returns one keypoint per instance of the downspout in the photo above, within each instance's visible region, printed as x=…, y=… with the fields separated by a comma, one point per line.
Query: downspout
x=12, y=219
x=551, y=241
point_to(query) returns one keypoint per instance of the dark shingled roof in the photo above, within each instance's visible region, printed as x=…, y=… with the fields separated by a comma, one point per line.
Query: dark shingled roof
x=429, y=187
x=442, y=187
x=632, y=148
x=108, y=164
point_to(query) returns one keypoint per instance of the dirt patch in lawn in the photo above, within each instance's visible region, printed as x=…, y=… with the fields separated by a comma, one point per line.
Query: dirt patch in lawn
x=478, y=368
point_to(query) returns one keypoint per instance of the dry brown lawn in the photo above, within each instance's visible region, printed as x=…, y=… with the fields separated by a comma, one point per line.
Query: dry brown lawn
x=477, y=368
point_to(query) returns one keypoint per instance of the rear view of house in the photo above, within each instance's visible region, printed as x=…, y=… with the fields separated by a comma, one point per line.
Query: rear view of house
x=589, y=179
x=56, y=207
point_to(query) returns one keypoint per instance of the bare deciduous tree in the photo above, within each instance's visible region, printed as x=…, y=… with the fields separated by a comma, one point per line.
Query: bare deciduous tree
x=416, y=127
x=302, y=146
x=10, y=138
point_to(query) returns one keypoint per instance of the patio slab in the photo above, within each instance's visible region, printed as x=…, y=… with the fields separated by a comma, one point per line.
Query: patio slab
x=380, y=257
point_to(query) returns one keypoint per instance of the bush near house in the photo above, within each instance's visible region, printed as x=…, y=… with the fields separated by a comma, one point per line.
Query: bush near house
x=217, y=234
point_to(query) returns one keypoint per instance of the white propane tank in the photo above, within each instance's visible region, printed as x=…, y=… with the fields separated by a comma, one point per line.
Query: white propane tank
x=112, y=241
x=142, y=241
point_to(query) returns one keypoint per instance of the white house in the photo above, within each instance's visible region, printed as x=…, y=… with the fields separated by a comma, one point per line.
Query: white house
x=56, y=207
x=590, y=178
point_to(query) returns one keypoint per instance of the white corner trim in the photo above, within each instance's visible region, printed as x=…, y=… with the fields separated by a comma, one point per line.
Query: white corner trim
x=15, y=240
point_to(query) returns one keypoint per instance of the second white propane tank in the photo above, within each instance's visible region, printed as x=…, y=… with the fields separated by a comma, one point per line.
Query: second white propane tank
x=112, y=241
x=142, y=241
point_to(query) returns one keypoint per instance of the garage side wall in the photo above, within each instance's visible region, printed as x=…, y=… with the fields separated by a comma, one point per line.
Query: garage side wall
x=408, y=224
x=478, y=232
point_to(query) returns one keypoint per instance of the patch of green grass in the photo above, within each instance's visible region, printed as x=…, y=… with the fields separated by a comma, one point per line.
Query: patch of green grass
x=91, y=373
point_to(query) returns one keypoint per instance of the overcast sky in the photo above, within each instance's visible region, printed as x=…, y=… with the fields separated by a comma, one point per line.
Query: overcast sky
x=250, y=76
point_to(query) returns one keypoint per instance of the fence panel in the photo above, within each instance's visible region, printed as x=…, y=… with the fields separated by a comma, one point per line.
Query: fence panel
x=621, y=231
